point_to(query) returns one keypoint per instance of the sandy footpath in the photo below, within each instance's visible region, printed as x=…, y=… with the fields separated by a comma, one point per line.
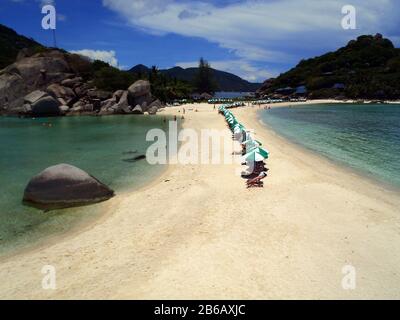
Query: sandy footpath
x=198, y=233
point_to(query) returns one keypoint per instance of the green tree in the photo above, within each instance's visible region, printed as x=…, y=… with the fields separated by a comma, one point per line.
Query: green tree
x=109, y=78
x=166, y=88
x=204, y=80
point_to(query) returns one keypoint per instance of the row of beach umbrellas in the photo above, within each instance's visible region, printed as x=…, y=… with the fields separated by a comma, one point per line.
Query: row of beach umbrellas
x=254, y=150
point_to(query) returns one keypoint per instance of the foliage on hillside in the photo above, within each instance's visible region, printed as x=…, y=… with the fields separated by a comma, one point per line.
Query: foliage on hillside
x=164, y=88
x=204, y=80
x=225, y=81
x=368, y=67
x=109, y=78
x=167, y=85
x=11, y=43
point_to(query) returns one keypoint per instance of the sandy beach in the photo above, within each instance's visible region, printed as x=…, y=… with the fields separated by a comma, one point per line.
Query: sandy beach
x=198, y=233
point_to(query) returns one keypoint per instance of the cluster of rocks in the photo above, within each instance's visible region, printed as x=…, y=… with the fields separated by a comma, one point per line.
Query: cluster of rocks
x=73, y=97
x=48, y=84
x=136, y=100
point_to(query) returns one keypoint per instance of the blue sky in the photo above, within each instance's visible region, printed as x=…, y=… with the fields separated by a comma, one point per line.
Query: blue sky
x=255, y=39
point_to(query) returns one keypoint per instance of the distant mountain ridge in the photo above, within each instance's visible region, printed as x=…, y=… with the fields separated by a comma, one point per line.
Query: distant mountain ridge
x=226, y=81
x=11, y=43
x=366, y=68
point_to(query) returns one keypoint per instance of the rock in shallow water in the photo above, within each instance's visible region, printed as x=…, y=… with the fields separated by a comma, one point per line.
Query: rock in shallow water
x=46, y=106
x=64, y=186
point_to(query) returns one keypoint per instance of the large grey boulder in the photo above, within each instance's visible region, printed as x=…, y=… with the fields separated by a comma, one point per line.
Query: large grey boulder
x=34, y=96
x=42, y=69
x=46, y=106
x=60, y=92
x=12, y=91
x=64, y=186
x=72, y=83
x=140, y=88
x=140, y=94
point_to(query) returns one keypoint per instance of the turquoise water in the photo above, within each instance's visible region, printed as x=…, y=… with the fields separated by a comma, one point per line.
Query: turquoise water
x=364, y=137
x=97, y=145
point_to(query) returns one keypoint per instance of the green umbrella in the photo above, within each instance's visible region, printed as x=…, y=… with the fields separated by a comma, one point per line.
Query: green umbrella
x=251, y=145
x=250, y=142
x=256, y=155
x=239, y=126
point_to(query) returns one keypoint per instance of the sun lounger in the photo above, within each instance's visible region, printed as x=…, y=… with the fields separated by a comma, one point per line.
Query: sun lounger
x=257, y=181
x=259, y=184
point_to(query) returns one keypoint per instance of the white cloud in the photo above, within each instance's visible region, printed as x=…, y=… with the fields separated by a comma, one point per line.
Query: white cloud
x=106, y=56
x=257, y=30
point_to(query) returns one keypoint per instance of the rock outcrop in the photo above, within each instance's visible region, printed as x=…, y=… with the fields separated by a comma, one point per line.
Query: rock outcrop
x=64, y=186
x=49, y=84
x=31, y=73
x=140, y=94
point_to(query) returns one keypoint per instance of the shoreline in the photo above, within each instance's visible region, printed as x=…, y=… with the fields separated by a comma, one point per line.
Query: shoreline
x=371, y=179
x=83, y=224
x=351, y=170
x=188, y=238
x=105, y=211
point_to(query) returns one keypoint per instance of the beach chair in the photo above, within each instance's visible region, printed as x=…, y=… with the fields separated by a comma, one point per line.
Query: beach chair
x=258, y=184
x=257, y=181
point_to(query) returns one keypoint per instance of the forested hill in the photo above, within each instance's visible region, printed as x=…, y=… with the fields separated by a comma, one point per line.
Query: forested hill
x=11, y=43
x=368, y=67
x=226, y=81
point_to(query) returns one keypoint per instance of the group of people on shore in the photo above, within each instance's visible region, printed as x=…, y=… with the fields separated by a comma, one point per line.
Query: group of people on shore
x=253, y=155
